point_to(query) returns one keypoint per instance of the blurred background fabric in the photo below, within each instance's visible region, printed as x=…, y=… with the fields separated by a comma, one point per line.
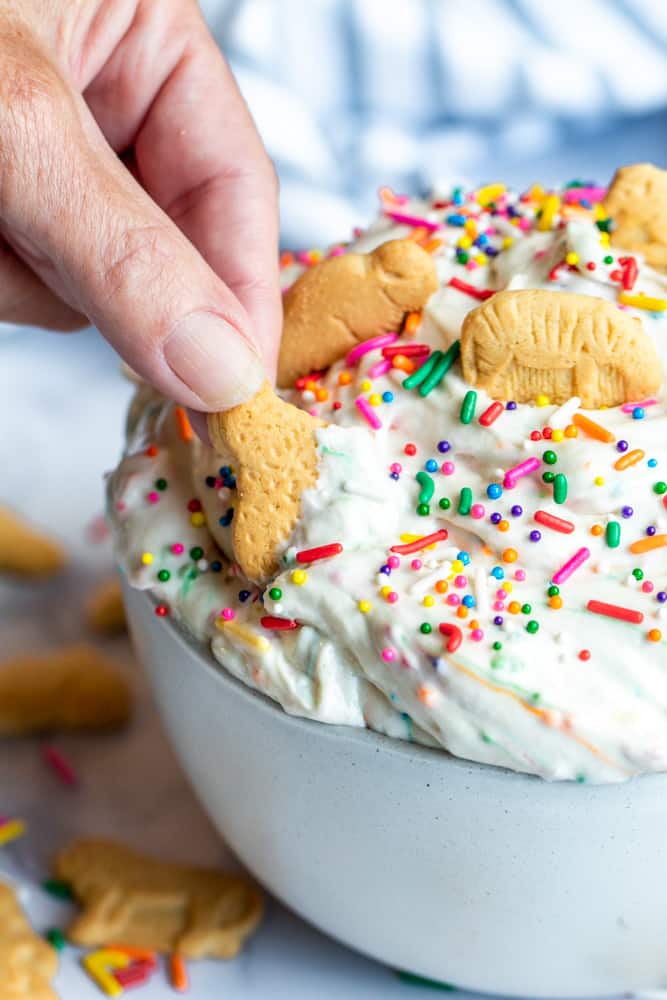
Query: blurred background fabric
x=350, y=94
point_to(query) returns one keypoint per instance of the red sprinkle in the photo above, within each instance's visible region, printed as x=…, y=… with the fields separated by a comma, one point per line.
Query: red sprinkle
x=194, y=505
x=151, y=451
x=408, y=350
x=410, y=449
x=59, y=763
x=162, y=610
x=616, y=611
x=584, y=654
x=320, y=552
x=477, y=293
x=454, y=634
x=629, y=273
x=553, y=522
x=421, y=543
x=278, y=624
x=491, y=414
x=134, y=974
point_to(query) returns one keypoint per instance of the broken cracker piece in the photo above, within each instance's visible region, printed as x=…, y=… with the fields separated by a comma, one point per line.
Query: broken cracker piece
x=27, y=962
x=344, y=300
x=70, y=689
x=105, y=610
x=637, y=202
x=275, y=448
x=26, y=551
x=522, y=344
x=133, y=900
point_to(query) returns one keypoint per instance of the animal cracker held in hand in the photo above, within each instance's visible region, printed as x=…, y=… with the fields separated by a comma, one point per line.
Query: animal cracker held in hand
x=637, y=204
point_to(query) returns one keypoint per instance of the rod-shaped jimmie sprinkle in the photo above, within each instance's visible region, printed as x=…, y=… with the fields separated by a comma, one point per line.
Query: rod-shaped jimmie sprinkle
x=572, y=564
x=519, y=471
x=383, y=340
x=421, y=543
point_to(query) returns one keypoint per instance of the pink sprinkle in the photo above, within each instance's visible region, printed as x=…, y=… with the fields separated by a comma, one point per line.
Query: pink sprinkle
x=379, y=368
x=647, y=587
x=396, y=467
x=520, y=574
x=447, y=468
x=416, y=564
x=589, y=193
x=153, y=497
x=368, y=413
x=461, y=581
x=498, y=606
x=336, y=252
x=453, y=599
x=177, y=548
x=121, y=506
x=227, y=614
x=501, y=594
x=413, y=220
x=572, y=564
x=477, y=634
x=522, y=469
x=392, y=597
x=60, y=765
x=477, y=511
x=393, y=562
x=384, y=340
x=629, y=407
x=388, y=654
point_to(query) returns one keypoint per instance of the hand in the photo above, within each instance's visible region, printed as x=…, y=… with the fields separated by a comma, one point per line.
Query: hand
x=135, y=191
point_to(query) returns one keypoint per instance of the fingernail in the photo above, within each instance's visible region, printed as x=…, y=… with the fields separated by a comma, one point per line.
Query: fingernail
x=214, y=360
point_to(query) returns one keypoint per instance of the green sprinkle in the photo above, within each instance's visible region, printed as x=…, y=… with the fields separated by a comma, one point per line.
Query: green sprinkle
x=560, y=488
x=164, y=575
x=423, y=510
x=275, y=593
x=161, y=484
x=197, y=552
x=465, y=500
x=548, y=477
x=443, y=365
x=608, y=259
x=485, y=737
x=468, y=406
x=56, y=938
x=532, y=627
x=536, y=697
x=550, y=457
x=56, y=887
x=426, y=628
x=461, y=257
x=418, y=377
x=409, y=977
x=444, y=503
x=497, y=645
x=580, y=779
x=526, y=609
x=660, y=488
x=427, y=487
x=613, y=534
x=638, y=574
x=553, y=590
x=604, y=225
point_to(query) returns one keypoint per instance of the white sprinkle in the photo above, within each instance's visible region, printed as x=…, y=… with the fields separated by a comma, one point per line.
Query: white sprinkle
x=358, y=491
x=424, y=583
x=481, y=588
x=563, y=415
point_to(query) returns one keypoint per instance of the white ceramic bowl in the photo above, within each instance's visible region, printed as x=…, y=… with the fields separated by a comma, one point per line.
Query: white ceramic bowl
x=461, y=872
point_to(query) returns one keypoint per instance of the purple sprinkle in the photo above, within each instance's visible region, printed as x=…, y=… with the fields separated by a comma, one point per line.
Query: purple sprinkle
x=621, y=446
x=535, y=535
x=386, y=570
x=394, y=475
x=511, y=405
x=498, y=620
x=244, y=595
x=650, y=530
x=627, y=511
x=443, y=447
x=661, y=596
x=496, y=518
x=517, y=510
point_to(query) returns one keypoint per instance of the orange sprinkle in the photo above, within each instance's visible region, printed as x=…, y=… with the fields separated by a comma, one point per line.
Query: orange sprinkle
x=184, y=426
x=178, y=973
x=556, y=602
x=503, y=526
x=404, y=364
x=412, y=323
x=461, y=611
x=597, y=529
x=510, y=555
x=286, y=258
x=630, y=458
x=344, y=378
x=432, y=245
x=417, y=234
x=655, y=635
x=647, y=544
x=140, y=954
x=441, y=586
x=321, y=395
x=514, y=607
x=593, y=430
x=386, y=194
x=425, y=694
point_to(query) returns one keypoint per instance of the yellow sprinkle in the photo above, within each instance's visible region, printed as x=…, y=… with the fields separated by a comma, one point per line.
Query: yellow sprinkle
x=481, y=259
x=11, y=830
x=98, y=964
x=489, y=193
x=557, y=435
x=429, y=601
x=407, y=537
x=550, y=207
x=542, y=400
x=572, y=258
x=245, y=634
x=384, y=591
x=470, y=227
x=364, y=606
x=464, y=243
x=536, y=192
x=299, y=576
x=599, y=480
x=198, y=519
x=366, y=385
x=375, y=399
x=604, y=240
x=642, y=301
x=507, y=585
x=507, y=242
x=147, y=558
x=598, y=211
x=457, y=565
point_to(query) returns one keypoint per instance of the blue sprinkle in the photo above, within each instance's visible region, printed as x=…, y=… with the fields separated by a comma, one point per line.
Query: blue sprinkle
x=226, y=518
x=638, y=413
x=652, y=462
x=494, y=491
x=468, y=601
x=388, y=397
x=456, y=220
x=225, y=470
x=498, y=572
x=216, y=566
x=464, y=557
x=431, y=465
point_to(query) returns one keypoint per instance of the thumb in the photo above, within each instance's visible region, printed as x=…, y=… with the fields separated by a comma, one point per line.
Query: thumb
x=71, y=210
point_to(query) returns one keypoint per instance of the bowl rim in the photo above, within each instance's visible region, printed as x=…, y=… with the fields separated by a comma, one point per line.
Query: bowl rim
x=368, y=739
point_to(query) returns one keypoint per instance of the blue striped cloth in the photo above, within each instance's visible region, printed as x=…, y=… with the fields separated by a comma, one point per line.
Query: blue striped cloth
x=349, y=94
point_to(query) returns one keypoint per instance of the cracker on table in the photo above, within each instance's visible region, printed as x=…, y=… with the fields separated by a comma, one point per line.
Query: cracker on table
x=27, y=962
x=105, y=610
x=26, y=551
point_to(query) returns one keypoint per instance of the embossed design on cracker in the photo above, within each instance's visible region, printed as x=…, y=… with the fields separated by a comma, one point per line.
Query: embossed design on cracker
x=27, y=962
x=637, y=202
x=73, y=688
x=520, y=344
x=348, y=299
x=105, y=611
x=130, y=899
x=274, y=445
x=26, y=551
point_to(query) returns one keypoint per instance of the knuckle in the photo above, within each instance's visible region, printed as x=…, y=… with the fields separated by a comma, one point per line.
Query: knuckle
x=138, y=258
